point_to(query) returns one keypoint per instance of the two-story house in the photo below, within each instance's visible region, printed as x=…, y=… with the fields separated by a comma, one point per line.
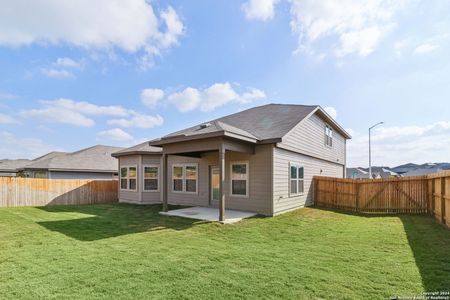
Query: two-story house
x=259, y=160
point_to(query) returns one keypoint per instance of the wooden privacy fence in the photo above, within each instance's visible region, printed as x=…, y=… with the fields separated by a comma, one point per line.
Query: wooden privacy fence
x=421, y=194
x=16, y=191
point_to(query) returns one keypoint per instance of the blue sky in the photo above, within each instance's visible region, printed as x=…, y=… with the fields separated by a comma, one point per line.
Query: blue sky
x=70, y=79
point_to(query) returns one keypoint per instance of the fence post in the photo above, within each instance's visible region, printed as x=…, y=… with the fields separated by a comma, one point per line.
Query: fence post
x=357, y=196
x=433, y=191
x=315, y=191
x=443, y=200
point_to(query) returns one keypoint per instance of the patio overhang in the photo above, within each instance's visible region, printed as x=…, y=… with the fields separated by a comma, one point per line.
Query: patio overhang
x=194, y=148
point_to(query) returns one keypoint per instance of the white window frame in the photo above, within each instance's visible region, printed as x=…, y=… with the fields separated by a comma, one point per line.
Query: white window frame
x=183, y=166
x=297, y=180
x=143, y=178
x=247, y=179
x=128, y=177
x=328, y=134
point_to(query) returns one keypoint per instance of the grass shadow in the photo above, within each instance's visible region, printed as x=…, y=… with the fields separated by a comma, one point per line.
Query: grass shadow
x=430, y=244
x=429, y=241
x=106, y=221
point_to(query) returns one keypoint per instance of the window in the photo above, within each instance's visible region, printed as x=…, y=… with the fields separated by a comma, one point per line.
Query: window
x=124, y=178
x=296, y=180
x=151, y=178
x=40, y=174
x=185, y=178
x=128, y=177
x=328, y=136
x=191, y=179
x=132, y=175
x=239, y=179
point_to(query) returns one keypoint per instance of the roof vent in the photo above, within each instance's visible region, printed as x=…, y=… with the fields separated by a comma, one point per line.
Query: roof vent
x=206, y=125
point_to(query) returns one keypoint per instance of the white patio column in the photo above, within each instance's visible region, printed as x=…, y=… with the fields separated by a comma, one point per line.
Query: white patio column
x=164, y=178
x=221, y=183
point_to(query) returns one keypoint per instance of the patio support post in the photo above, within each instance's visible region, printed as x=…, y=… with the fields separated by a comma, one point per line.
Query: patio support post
x=164, y=183
x=222, y=183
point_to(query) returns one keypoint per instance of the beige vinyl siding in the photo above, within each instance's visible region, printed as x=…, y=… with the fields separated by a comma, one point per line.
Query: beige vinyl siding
x=312, y=167
x=308, y=138
x=180, y=198
x=260, y=181
x=125, y=195
x=149, y=197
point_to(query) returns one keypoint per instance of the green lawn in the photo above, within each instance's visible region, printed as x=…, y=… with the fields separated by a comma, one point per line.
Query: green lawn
x=125, y=251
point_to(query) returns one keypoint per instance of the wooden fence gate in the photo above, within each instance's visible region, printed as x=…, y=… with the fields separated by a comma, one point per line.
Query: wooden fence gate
x=421, y=194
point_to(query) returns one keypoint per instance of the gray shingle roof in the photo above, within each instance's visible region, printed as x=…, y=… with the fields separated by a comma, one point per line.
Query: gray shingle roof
x=11, y=165
x=143, y=148
x=49, y=155
x=96, y=159
x=265, y=122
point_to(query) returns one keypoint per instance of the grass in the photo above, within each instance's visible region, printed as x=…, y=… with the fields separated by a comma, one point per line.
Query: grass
x=125, y=251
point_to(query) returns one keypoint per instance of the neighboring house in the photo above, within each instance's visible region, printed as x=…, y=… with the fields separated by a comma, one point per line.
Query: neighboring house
x=420, y=170
x=377, y=173
x=260, y=160
x=9, y=167
x=90, y=163
x=357, y=173
x=423, y=171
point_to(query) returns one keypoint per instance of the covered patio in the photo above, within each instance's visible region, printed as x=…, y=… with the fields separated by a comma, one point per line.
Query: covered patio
x=196, y=146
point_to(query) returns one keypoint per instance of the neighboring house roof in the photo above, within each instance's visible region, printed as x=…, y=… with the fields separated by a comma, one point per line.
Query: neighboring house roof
x=12, y=165
x=93, y=159
x=143, y=148
x=267, y=123
x=49, y=155
x=377, y=172
x=421, y=172
x=357, y=173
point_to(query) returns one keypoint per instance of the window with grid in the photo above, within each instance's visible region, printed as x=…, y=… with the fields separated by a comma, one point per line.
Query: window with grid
x=239, y=179
x=151, y=178
x=296, y=180
x=328, y=136
x=128, y=178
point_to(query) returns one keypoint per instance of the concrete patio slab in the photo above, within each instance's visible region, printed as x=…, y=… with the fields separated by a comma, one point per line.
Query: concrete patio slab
x=209, y=214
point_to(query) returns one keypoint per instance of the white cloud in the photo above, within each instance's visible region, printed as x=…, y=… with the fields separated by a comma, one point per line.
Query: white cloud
x=425, y=48
x=86, y=107
x=139, y=121
x=358, y=25
x=67, y=111
x=186, y=100
x=59, y=74
x=259, y=9
x=130, y=26
x=210, y=98
x=396, y=145
x=115, y=134
x=331, y=111
x=67, y=62
x=174, y=27
x=58, y=115
x=150, y=97
x=5, y=119
x=361, y=42
x=14, y=147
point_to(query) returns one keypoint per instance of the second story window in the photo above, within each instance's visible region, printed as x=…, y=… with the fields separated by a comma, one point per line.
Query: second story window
x=328, y=136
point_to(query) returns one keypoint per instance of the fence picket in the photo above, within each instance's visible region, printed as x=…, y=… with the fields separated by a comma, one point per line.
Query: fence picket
x=17, y=191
